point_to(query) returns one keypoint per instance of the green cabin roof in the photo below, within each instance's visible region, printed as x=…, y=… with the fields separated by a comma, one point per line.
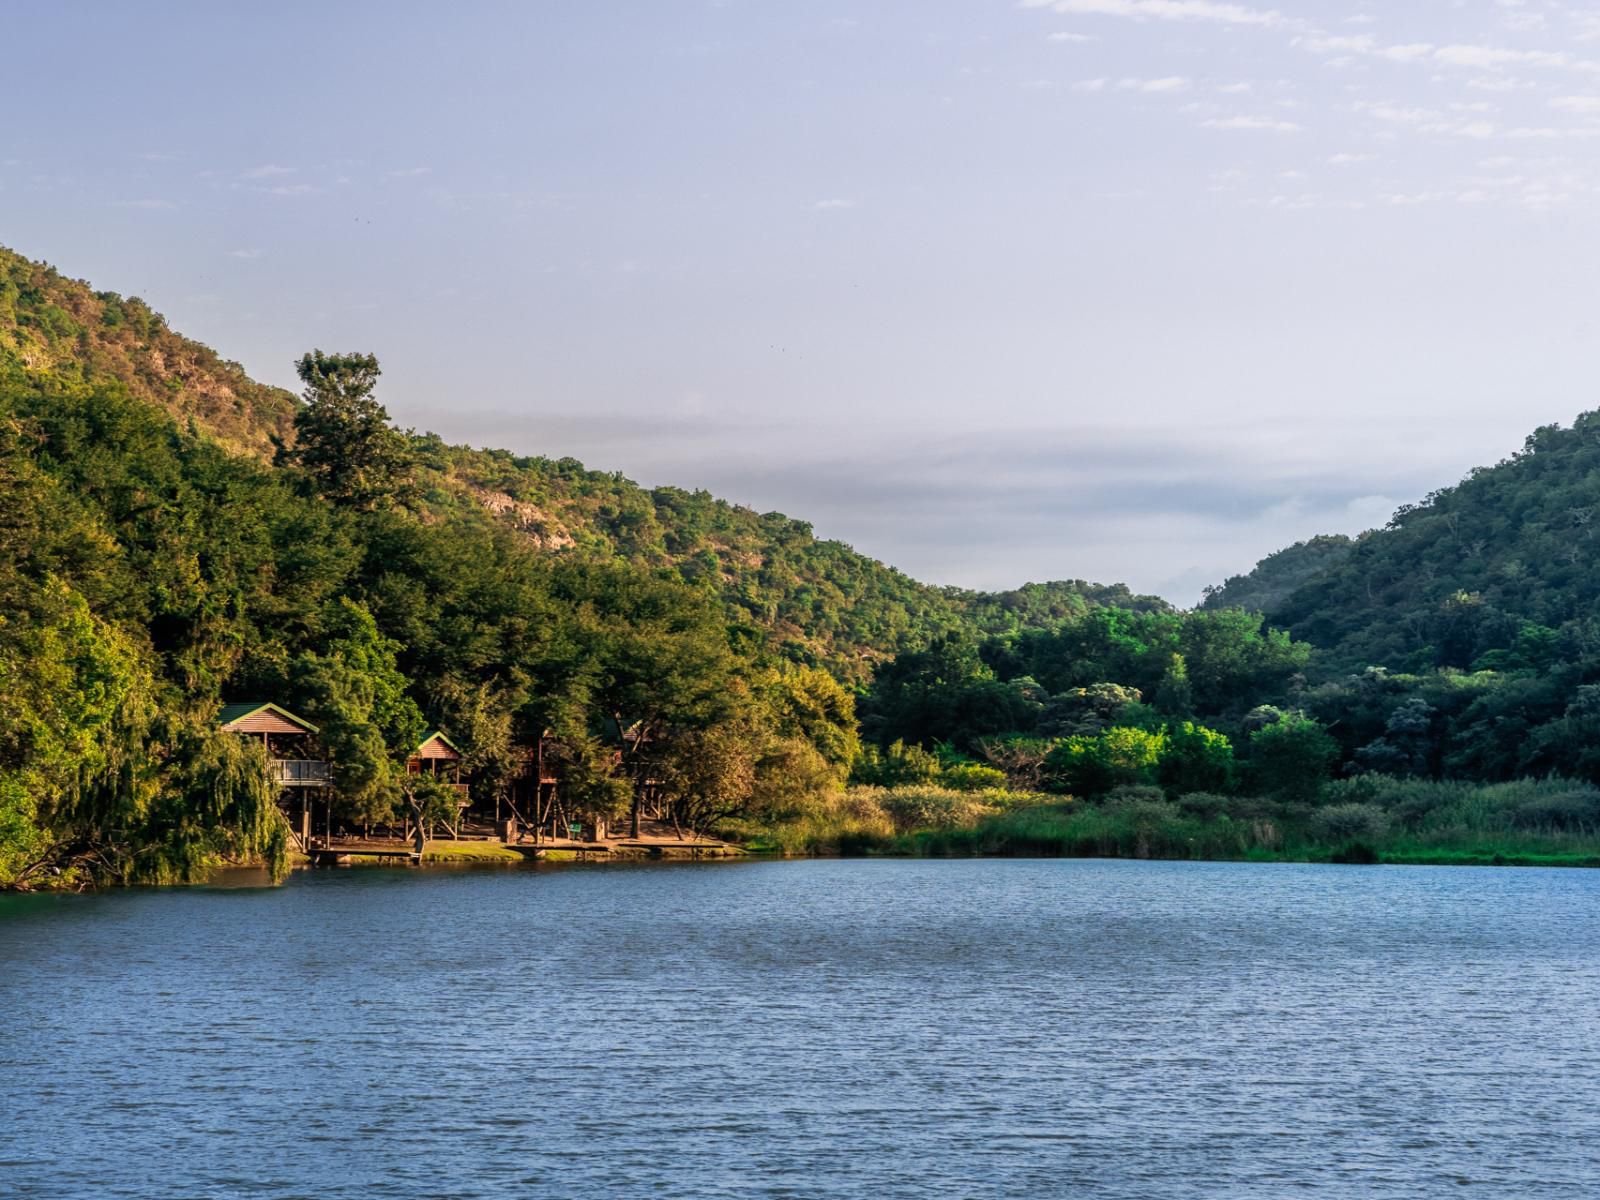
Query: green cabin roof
x=239, y=710
x=439, y=733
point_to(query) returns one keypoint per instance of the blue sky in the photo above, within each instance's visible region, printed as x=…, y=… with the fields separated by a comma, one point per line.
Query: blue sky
x=1121, y=289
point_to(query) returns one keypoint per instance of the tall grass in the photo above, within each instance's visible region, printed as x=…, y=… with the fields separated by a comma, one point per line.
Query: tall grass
x=1367, y=819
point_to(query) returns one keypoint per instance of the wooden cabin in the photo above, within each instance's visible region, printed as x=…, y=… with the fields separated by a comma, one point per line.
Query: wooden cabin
x=284, y=736
x=281, y=733
x=438, y=756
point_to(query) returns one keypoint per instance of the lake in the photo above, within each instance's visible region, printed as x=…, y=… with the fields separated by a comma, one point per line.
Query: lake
x=882, y=1029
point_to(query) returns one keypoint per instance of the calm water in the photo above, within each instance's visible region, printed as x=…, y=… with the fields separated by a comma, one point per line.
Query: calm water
x=881, y=1029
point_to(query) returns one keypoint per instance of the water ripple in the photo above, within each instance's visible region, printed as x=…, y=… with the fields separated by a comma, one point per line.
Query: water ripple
x=831, y=1029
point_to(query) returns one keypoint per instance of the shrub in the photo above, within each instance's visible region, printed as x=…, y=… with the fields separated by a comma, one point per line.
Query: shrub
x=914, y=808
x=1092, y=766
x=1575, y=810
x=1292, y=756
x=1205, y=804
x=848, y=822
x=971, y=777
x=1196, y=758
x=898, y=764
x=1345, y=823
x=1131, y=794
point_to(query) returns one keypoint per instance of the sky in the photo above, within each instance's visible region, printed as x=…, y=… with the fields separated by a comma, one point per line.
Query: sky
x=1125, y=290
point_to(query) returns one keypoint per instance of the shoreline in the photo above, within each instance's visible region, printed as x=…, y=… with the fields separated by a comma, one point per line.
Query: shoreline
x=494, y=855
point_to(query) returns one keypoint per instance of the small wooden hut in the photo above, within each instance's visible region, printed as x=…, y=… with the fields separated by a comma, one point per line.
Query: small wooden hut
x=436, y=755
x=283, y=736
x=276, y=725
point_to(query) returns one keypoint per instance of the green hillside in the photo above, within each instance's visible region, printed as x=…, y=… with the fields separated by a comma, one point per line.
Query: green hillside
x=818, y=601
x=1436, y=697
x=60, y=331
x=1475, y=575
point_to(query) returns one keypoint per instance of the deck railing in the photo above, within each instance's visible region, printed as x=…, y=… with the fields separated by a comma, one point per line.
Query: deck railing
x=299, y=772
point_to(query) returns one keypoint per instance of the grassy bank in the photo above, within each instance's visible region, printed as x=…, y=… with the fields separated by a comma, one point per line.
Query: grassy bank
x=471, y=852
x=1373, y=819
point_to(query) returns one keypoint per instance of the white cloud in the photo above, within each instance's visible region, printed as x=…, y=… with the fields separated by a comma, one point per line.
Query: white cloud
x=267, y=171
x=1163, y=10
x=1235, y=89
x=1272, y=124
x=1476, y=57
x=1550, y=133
x=1360, y=43
x=1070, y=38
x=1409, y=52
x=1170, y=83
x=1577, y=104
x=1089, y=85
x=1494, y=57
x=833, y=205
x=409, y=173
x=1497, y=83
x=244, y=253
x=1397, y=114
x=1343, y=159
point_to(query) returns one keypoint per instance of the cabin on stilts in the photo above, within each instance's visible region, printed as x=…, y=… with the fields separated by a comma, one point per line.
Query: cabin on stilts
x=286, y=738
x=530, y=796
x=536, y=804
x=437, y=756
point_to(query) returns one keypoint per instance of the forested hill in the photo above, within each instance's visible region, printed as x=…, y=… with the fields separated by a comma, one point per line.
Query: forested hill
x=1501, y=571
x=1498, y=572
x=815, y=600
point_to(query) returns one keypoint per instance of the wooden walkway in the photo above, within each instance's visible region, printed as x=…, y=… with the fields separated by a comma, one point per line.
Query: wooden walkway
x=333, y=853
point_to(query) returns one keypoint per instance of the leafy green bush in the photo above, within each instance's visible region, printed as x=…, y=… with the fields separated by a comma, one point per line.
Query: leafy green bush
x=971, y=777
x=1092, y=766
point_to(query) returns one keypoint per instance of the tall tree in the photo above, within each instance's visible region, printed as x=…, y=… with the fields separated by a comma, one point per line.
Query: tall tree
x=343, y=437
